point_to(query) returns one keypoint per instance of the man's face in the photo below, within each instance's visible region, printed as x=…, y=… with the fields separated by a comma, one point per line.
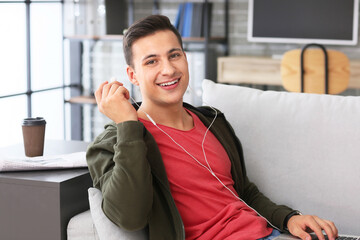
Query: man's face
x=160, y=68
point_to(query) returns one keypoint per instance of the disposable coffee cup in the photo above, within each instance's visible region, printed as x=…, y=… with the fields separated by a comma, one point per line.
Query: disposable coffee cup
x=34, y=134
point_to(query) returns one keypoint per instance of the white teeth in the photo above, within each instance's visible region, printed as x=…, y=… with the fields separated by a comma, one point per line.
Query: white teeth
x=169, y=83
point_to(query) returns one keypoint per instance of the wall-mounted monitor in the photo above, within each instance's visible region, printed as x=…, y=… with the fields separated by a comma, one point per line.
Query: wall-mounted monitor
x=303, y=21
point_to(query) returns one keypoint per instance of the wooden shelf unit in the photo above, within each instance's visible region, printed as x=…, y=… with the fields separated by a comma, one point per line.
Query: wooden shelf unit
x=265, y=71
x=82, y=100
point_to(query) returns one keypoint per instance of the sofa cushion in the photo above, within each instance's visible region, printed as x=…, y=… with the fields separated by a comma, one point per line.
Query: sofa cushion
x=302, y=150
x=81, y=227
x=106, y=229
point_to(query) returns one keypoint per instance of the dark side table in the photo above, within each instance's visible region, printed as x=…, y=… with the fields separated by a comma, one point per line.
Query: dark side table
x=37, y=205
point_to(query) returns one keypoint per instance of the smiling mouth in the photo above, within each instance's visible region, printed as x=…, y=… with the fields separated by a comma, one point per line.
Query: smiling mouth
x=169, y=83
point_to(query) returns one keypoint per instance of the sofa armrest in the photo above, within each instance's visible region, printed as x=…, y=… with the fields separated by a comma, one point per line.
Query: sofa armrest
x=81, y=227
x=106, y=229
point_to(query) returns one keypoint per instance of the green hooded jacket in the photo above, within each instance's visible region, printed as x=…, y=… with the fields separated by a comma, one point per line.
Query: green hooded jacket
x=126, y=165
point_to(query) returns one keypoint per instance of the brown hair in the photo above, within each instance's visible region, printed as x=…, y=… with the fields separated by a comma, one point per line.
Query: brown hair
x=144, y=27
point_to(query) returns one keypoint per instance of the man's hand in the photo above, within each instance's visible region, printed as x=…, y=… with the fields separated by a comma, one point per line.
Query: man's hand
x=300, y=225
x=112, y=100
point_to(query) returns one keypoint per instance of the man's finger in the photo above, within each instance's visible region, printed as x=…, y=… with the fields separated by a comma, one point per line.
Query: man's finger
x=122, y=90
x=98, y=92
x=113, y=88
x=314, y=225
x=302, y=234
x=106, y=90
x=333, y=227
x=300, y=225
x=326, y=226
x=110, y=88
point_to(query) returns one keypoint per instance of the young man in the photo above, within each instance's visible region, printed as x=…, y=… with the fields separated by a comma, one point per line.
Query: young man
x=150, y=163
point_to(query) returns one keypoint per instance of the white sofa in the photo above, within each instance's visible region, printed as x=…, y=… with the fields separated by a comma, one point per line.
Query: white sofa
x=302, y=150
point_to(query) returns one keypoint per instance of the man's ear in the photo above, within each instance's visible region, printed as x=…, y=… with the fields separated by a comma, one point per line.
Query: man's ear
x=132, y=75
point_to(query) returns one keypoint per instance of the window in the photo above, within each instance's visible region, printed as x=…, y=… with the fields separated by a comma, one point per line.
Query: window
x=31, y=60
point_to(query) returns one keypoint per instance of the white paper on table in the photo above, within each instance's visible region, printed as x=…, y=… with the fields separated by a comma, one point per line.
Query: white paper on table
x=71, y=160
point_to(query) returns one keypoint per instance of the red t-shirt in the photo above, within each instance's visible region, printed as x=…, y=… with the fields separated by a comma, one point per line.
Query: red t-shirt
x=208, y=210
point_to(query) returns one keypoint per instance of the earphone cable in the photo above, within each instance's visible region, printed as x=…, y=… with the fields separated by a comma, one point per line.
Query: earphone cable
x=208, y=167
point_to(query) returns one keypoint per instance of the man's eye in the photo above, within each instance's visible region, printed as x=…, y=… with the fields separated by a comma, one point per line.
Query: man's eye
x=150, y=62
x=175, y=55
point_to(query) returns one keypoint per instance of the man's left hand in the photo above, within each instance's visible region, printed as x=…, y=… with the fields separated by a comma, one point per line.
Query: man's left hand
x=301, y=225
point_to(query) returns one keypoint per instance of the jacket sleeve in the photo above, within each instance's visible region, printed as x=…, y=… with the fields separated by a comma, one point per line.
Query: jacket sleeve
x=119, y=168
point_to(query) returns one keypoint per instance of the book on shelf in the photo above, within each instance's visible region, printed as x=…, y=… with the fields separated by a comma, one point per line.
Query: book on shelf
x=192, y=17
x=207, y=16
x=197, y=15
x=178, y=16
x=186, y=31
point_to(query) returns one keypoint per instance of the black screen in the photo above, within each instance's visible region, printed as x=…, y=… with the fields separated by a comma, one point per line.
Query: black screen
x=314, y=19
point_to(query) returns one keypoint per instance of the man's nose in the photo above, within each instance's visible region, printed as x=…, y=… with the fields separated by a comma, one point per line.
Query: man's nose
x=168, y=68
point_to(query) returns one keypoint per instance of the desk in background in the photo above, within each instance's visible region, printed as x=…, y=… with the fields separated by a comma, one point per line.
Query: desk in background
x=37, y=205
x=264, y=71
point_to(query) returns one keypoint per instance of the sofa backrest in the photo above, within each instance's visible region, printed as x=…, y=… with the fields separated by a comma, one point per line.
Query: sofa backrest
x=301, y=150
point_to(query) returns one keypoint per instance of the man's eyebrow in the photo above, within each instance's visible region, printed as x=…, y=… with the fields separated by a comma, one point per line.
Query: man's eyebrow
x=149, y=56
x=155, y=55
x=174, y=50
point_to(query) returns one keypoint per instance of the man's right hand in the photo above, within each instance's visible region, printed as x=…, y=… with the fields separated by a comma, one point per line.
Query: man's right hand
x=112, y=100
